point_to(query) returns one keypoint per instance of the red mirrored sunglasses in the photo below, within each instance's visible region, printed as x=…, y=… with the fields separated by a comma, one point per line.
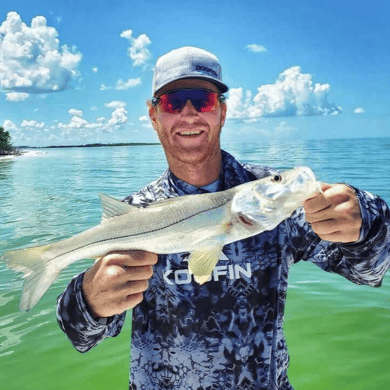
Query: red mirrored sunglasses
x=174, y=101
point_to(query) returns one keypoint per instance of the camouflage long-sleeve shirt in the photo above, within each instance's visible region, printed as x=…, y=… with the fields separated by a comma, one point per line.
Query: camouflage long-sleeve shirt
x=226, y=333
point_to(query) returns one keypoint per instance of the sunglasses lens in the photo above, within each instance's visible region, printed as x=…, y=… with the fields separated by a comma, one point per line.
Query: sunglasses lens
x=202, y=100
x=171, y=104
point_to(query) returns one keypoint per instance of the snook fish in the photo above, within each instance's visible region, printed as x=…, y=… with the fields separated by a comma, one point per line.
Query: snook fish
x=200, y=224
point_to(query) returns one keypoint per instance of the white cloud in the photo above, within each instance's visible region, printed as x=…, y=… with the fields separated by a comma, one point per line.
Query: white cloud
x=293, y=94
x=145, y=121
x=123, y=85
x=9, y=125
x=32, y=60
x=16, y=96
x=76, y=130
x=76, y=122
x=237, y=107
x=359, y=110
x=118, y=117
x=75, y=112
x=256, y=48
x=33, y=124
x=80, y=128
x=138, y=50
x=130, y=83
x=95, y=70
x=116, y=104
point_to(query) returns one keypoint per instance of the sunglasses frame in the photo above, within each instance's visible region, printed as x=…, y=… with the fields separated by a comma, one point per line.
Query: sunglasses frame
x=156, y=100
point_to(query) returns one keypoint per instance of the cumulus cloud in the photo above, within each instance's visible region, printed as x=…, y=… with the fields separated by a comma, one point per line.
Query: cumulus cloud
x=78, y=128
x=95, y=70
x=75, y=112
x=138, y=50
x=16, y=96
x=32, y=60
x=86, y=129
x=255, y=48
x=119, y=115
x=115, y=104
x=32, y=124
x=293, y=94
x=9, y=125
x=359, y=110
x=130, y=83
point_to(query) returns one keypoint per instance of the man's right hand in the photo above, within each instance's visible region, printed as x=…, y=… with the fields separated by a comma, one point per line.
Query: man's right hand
x=116, y=282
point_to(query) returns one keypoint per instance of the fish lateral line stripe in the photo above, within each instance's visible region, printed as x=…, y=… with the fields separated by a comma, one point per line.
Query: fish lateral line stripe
x=139, y=234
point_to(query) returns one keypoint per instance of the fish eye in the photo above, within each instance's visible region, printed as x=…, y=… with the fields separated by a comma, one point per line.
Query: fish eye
x=277, y=178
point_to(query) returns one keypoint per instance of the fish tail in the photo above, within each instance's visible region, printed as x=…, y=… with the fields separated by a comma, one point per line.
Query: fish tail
x=38, y=269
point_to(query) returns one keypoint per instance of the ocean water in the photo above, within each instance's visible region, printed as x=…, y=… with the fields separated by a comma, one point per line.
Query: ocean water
x=338, y=334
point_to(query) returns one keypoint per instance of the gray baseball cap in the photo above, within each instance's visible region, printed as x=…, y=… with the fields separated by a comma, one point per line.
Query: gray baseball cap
x=185, y=63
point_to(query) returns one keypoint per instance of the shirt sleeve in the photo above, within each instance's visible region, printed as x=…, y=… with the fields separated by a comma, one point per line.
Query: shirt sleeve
x=83, y=330
x=363, y=262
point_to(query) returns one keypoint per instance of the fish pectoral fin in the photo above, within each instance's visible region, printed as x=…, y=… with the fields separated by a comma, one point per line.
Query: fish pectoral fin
x=203, y=261
x=113, y=207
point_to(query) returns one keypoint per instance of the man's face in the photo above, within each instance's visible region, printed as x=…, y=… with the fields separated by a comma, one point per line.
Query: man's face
x=189, y=136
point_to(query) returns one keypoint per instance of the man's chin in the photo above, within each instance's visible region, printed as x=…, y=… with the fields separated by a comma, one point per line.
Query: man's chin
x=192, y=154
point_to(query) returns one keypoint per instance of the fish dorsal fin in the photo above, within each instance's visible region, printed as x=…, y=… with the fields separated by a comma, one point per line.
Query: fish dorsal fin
x=167, y=201
x=113, y=207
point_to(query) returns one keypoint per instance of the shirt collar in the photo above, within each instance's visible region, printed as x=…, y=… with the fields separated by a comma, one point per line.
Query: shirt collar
x=232, y=174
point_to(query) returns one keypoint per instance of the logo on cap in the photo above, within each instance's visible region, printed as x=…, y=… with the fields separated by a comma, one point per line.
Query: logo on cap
x=205, y=69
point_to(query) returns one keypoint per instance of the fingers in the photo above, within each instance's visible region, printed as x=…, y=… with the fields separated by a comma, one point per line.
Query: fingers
x=321, y=201
x=128, y=266
x=116, y=282
x=131, y=258
x=334, y=214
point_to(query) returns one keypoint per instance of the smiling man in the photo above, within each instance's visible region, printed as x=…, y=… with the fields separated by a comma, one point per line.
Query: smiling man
x=226, y=333
x=190, y=137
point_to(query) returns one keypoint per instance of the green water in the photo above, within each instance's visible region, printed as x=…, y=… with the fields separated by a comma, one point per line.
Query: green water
x=338, y=334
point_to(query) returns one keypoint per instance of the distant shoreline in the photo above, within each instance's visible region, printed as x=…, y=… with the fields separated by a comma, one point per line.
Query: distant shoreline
x=88, y=145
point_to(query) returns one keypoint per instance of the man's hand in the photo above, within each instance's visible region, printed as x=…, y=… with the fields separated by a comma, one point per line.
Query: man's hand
x=334, y=214
x=116, y=282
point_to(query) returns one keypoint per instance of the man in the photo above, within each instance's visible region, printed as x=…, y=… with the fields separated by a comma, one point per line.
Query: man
x=226, y=333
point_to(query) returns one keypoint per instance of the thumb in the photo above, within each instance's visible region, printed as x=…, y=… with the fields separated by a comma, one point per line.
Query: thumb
x=325, y=186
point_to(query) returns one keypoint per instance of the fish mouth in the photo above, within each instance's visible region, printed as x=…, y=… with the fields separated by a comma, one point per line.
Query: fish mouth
x=306, y=175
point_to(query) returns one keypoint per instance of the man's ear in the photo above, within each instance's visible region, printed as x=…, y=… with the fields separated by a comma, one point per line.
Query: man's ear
x=152, y=114
x=223, y=113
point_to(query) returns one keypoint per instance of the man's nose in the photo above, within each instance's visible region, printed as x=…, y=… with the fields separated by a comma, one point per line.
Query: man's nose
x=189, y=109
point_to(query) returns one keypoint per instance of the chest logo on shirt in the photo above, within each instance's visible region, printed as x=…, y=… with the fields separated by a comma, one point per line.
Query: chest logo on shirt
x=230, y=271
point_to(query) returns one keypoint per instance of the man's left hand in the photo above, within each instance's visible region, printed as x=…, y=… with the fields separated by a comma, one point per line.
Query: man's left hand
x=334, y=214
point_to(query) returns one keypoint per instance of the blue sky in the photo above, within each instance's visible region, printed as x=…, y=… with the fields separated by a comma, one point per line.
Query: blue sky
x=76, y=72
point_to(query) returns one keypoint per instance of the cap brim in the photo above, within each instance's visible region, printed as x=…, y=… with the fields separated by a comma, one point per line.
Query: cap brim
x=221, y=86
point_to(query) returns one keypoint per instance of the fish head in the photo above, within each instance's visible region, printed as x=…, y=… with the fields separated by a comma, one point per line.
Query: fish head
x=262, y=204
x=286, y=191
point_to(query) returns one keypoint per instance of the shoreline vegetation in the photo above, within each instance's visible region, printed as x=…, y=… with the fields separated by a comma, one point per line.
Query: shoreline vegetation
x=18, y=151
x=11, y=152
